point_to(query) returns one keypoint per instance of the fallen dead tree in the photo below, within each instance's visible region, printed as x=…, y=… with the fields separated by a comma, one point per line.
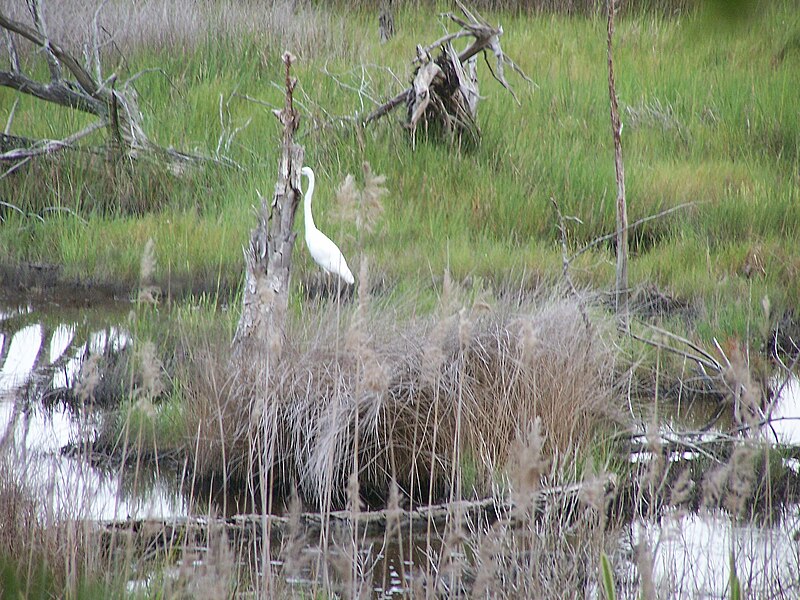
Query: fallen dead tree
x=444, y=91
x=570, y=501
x=75, y=85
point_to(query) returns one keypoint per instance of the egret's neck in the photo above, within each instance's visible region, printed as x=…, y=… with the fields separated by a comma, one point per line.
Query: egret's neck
x=309, y=219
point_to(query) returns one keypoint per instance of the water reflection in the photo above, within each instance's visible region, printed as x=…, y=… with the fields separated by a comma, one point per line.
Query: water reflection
x=33, y=436
x=20, y=358
x=692, y=554
x=786, y=416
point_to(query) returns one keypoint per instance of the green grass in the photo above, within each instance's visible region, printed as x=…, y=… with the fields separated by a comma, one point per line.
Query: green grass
x=710, y=119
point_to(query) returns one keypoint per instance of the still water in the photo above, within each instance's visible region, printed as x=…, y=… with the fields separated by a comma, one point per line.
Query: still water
x=39, y=438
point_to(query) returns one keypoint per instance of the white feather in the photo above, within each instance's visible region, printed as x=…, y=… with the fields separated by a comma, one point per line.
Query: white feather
x=324, y=252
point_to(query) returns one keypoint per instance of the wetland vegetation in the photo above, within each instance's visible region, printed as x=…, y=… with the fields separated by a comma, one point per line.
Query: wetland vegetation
x=465, y=422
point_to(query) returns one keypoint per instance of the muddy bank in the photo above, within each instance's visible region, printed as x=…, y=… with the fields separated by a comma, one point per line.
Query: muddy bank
x=47, y=283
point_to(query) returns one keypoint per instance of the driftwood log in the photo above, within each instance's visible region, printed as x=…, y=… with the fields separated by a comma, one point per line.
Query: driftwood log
x=444, y=91
x=570, y=501
x=268, y=258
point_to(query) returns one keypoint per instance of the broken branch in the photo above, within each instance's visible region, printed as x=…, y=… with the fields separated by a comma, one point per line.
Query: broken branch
x=444, y=89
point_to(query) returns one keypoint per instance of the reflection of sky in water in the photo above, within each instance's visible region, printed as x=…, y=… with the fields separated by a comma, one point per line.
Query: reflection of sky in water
x=692, y=552
x=77, y=491
x=36, y=436
x=22, y=352
x=113, y=339
x=60, y=340
x=25, y=345
x=786, y=416
x=74, y=488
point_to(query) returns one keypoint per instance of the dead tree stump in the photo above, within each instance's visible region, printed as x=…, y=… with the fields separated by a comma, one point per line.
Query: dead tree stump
x=444, y=92
x=386, y=21
x=268, y=258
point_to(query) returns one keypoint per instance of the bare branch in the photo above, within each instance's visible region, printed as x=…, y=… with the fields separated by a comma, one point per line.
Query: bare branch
x=52, y=92
x=52, y=145
x=13, y=207
x=83, y=78
x=361, y=90
x=98, y=73
x=67, y=210
x=35, y=7
x=707, y=360
x=13, y=168
x=564, y=255
x=672, y=349
x=633, y=225
x=389, y=106
x=443, y=40
x=12, y=51
x=565, y=263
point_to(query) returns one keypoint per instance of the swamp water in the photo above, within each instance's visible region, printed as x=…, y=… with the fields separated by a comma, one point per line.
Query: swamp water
x=42, y=348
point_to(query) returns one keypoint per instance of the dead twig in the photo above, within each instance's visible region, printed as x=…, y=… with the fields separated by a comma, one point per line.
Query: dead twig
x=565, y=261
x=604, y=238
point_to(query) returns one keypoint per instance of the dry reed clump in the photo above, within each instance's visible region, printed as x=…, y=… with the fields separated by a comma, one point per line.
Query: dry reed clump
x=216, y=409
x=166, y=25
x=542, y=545
x=434, y=406
x=553, y=557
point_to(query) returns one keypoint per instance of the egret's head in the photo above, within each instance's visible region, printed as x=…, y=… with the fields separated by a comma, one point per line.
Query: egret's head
x=307, y=172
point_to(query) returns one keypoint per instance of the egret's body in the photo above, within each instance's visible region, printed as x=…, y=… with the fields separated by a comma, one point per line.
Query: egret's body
x=324, y=252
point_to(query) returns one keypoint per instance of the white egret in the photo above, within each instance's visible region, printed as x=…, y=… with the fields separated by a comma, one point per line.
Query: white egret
x=324, y=252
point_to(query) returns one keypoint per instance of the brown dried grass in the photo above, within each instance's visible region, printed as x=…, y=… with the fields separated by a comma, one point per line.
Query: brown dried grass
x=427, y=397
x=163, y=25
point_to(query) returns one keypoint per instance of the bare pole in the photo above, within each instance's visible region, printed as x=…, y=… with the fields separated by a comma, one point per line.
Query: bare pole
x=622, y=292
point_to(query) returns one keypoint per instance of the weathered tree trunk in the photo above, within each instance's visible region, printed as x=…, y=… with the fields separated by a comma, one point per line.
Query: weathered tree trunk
x=622, y=294
x=268, y=259
x=386, y=21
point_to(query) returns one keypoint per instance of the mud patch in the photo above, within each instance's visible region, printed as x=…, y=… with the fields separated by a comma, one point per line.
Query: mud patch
x=46, y=284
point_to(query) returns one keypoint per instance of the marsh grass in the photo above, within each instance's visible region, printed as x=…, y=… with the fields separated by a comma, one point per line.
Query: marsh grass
x=726, y=154
x=483, y=384
x=411, y=401
x=362, y=411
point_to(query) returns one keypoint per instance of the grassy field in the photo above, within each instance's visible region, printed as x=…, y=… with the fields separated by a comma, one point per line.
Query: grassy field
x=710, y=123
